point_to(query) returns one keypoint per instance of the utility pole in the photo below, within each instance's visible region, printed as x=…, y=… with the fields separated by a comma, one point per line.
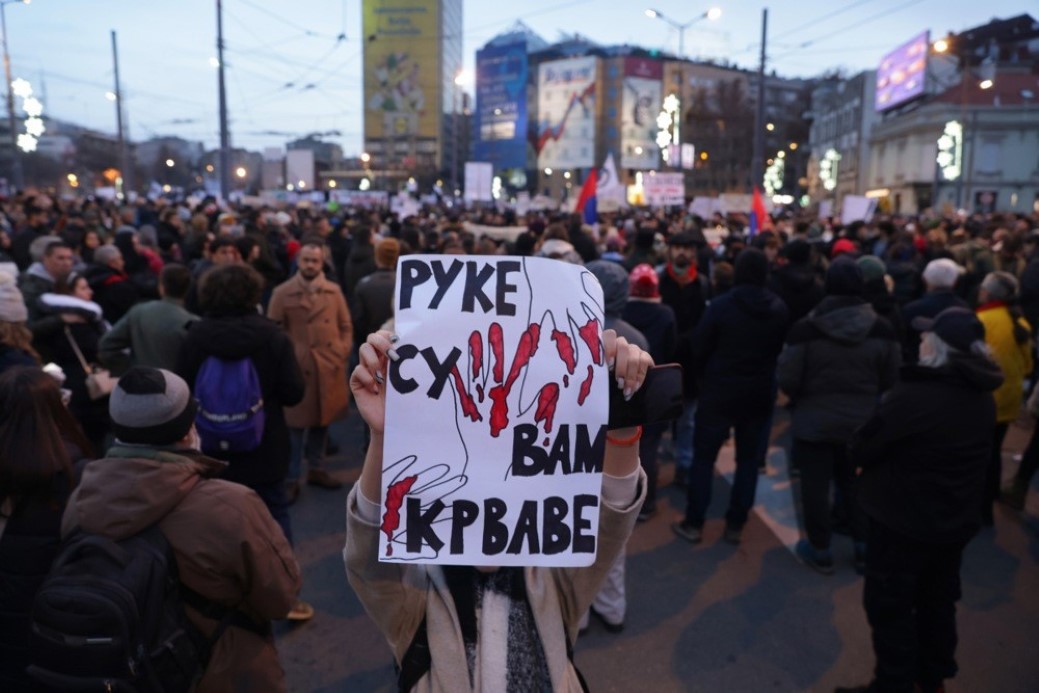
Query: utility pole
x=124, y=159
x=17, y=180
x=756, y=172
x=225, y=146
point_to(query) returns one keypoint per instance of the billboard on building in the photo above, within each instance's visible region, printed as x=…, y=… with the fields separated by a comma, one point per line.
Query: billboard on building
x=640, y=106
x=566, y=113
x=501, y=106
x=902, y=74
x=402, y=79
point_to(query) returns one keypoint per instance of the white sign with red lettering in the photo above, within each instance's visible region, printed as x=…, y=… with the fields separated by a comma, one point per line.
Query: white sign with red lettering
x=496, y=413
x=664, y=189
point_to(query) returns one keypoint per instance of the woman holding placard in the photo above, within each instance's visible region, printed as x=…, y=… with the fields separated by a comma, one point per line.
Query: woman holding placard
x=467, y=628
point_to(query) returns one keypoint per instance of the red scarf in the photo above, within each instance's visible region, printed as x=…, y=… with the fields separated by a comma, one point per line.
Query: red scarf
x=682, y=280
x=991, y=305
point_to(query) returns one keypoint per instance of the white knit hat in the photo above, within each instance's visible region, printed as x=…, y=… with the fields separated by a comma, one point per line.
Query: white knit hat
x=12, y=305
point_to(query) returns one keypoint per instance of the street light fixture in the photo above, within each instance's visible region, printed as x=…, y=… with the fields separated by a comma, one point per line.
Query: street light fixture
x=16, y=162
x=241, y=172
x=712, y=14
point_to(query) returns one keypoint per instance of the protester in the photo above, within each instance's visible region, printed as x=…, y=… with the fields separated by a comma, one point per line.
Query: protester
x=228, y=549
x=734, y=353
x=152, y=333
x=312, y=311
x=685, y=291
x=40, y=442
x=538, y=608
x=40, y=278
x=113, y=289
x=656, y=322
x=15, y=338
x=1008, y=335
x=940, y=278
x=372, y=303
x=924, y=456
x=75, y=350
x=836, y=363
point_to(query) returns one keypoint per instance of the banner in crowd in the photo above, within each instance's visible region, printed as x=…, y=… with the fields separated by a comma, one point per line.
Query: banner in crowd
x=857, y=208
x=501, y=106
x=567, y=111
x=368, y=199
x=479, y=179
x=641, y=103
x=496, y=410
x=664, y=189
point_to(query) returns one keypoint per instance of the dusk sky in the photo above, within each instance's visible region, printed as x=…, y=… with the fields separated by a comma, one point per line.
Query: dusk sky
x=63, y=48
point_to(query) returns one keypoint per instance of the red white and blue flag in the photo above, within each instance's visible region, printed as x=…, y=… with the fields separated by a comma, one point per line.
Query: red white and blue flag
x=587, y=203
x=759, y=219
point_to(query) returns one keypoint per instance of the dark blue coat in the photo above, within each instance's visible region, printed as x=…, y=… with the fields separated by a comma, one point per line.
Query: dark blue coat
x=735, y=348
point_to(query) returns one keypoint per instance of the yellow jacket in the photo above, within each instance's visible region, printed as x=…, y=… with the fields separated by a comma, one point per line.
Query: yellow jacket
x=1014, y=359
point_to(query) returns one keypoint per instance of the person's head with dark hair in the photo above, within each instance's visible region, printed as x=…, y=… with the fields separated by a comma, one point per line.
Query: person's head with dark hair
x=35, y=426
x=223, y=250
x=75, y=284
x=723, y=276
x=129, y=243
x=230, y=290
x=248, y=248
x=798, y=252
x=524, y=244
x=751, y=268
x=58, y=259
x=361, y=235
x=174, y=282
x=844, y=277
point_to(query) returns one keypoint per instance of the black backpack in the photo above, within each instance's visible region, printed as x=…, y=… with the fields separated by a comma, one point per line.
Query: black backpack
x=110, y=617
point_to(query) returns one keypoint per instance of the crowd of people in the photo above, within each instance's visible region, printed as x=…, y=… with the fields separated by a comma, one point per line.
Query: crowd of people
x=903, y=347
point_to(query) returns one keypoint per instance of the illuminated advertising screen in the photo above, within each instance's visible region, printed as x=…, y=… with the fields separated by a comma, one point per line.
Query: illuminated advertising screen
x=567, y=113
x=501, y=106
x=902, y=74
x=402, y=80
x=641, y=104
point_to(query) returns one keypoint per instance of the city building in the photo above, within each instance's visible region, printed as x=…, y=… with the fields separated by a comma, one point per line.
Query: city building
x=974, y=142
x=412, y=83
x=842, y=120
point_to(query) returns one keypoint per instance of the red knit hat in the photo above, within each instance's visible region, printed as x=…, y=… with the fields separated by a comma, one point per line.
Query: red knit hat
x=843, y=246
x=644, y=282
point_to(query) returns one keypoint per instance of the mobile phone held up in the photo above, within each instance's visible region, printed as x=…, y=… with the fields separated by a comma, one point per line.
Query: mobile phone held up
x=659, y=399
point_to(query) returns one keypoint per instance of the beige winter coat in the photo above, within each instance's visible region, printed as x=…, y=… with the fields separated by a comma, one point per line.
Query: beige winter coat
x=319, y=325
x=397, y=596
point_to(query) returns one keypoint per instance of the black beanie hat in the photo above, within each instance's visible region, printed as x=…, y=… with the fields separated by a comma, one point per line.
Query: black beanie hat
x=751, y=268
x=844, y=278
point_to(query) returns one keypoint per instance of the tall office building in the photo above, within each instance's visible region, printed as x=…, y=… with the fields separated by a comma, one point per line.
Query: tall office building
x=412, y=56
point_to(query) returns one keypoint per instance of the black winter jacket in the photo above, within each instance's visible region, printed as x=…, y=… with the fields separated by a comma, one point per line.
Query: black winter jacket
x=800, y=288
x=735, y=349
x=834, y=367
x=28, y=547
x=925, y=451
x=281, y=382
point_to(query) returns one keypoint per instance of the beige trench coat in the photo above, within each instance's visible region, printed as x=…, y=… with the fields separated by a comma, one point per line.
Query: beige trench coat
x=318, y=324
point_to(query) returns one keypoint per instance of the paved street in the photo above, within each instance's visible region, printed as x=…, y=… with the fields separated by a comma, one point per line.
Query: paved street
x=708, y=618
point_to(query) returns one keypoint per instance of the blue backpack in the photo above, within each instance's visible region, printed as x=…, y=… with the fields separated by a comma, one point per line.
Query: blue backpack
x=230, y=405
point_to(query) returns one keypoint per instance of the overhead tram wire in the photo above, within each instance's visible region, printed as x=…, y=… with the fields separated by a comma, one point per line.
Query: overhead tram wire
x=856, y=25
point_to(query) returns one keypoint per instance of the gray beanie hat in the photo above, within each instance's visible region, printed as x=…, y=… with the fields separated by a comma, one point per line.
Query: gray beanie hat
x=151, y=406
x=614, y=281
x=12, y=305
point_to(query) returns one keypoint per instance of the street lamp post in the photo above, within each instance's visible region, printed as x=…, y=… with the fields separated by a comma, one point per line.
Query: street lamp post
x=711, y=14
x=459, y=81
x=16, y=162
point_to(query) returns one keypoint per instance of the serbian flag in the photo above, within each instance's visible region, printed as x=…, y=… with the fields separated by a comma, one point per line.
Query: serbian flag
x=586, y=202
x=759, y=219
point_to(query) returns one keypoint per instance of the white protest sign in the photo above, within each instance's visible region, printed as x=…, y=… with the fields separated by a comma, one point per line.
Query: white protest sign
x=664, y=189
x=479, y=177
x=857, y=208
x=825, y=209
x=495, y=413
